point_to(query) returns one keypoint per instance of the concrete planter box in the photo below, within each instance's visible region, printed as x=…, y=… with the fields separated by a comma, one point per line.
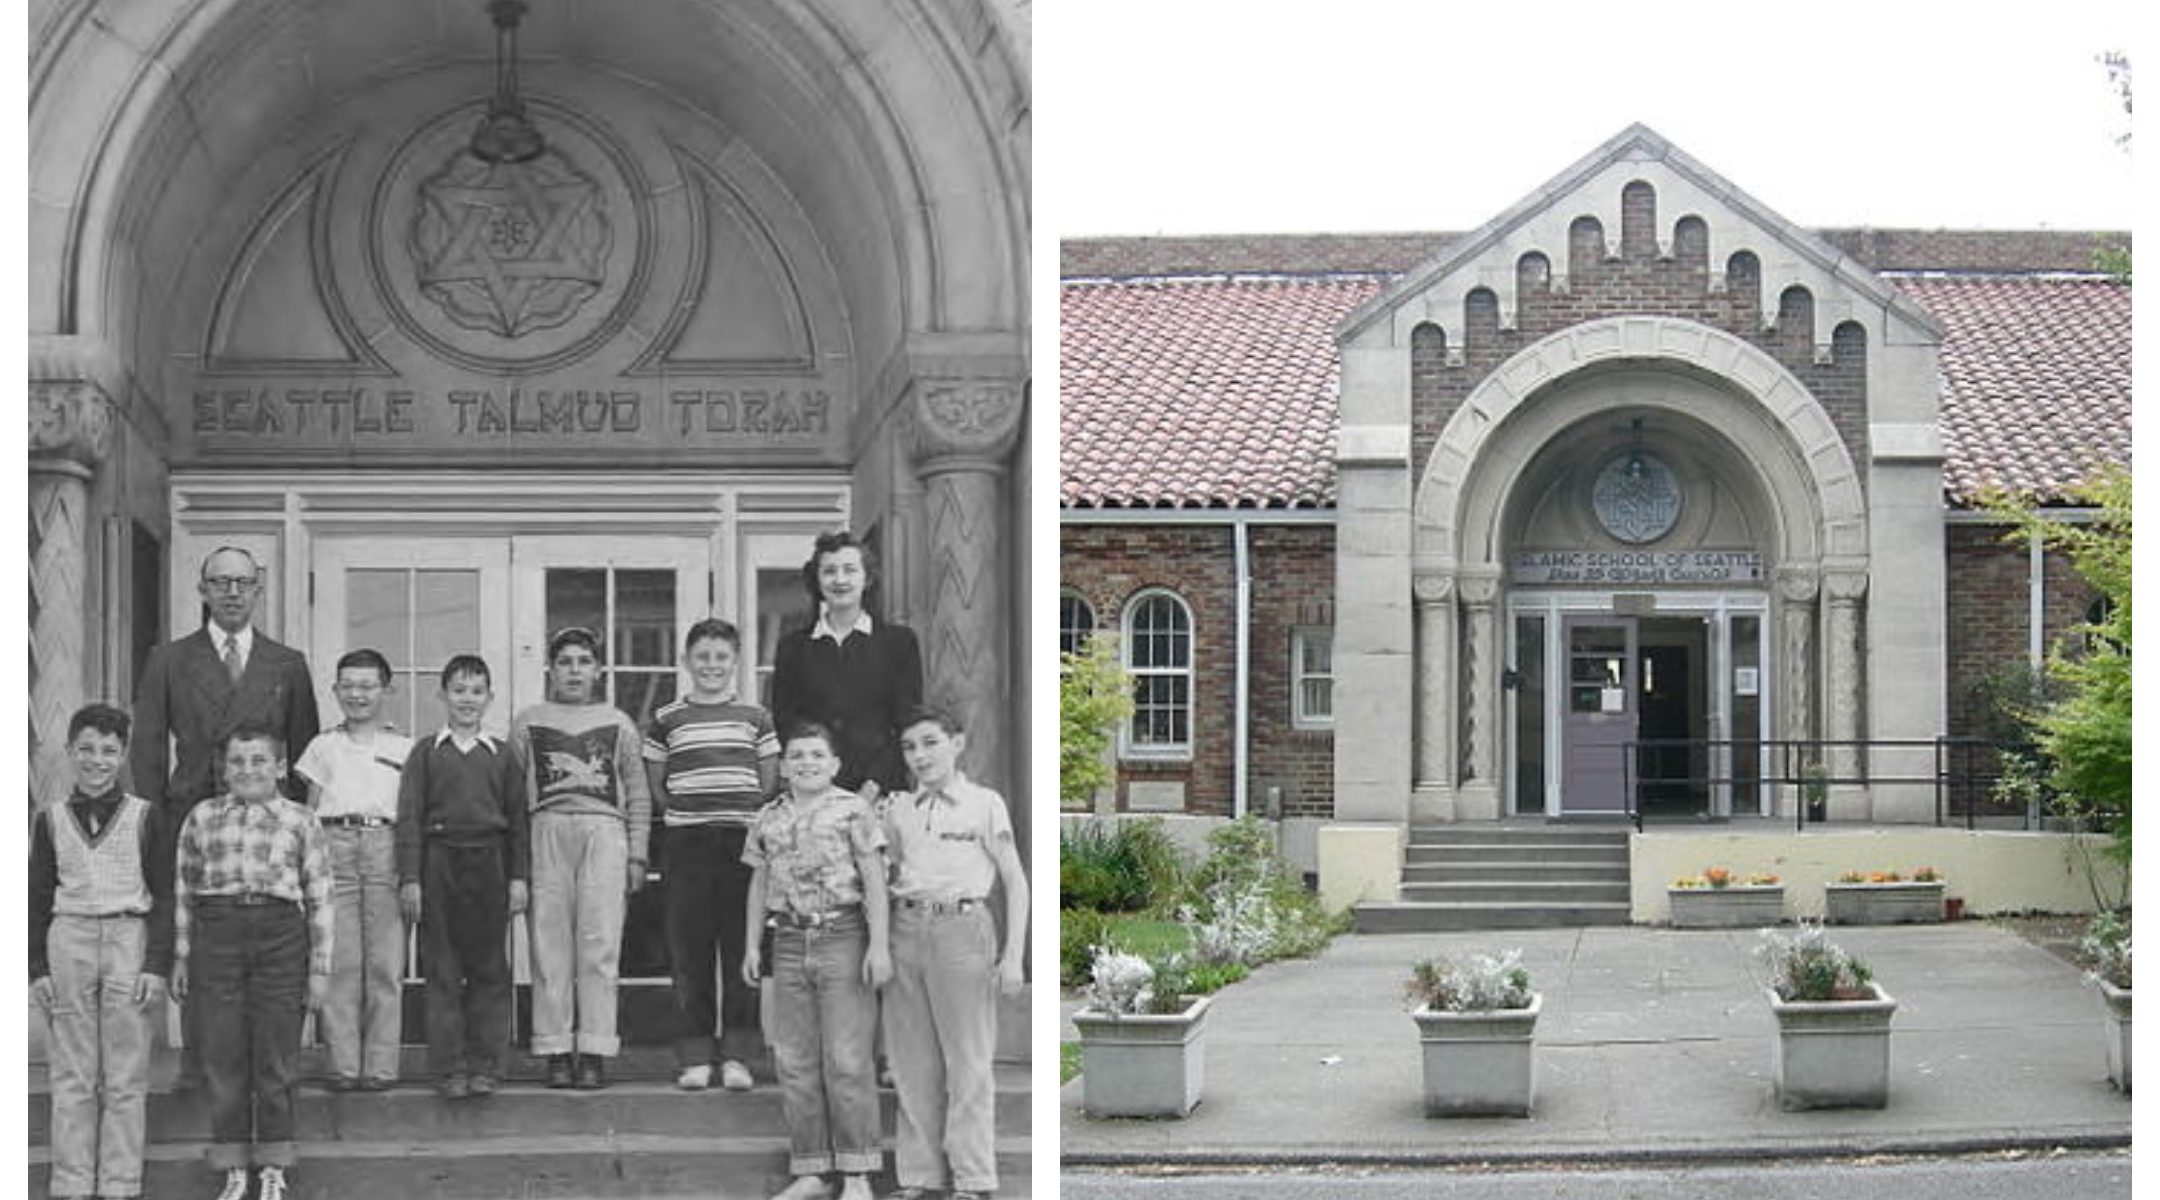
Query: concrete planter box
x=1883, y=903
x=1479, y=1064
x=1739, y=906
x=1832, y=1053
x=1143, y=1064
x=2118, y=1033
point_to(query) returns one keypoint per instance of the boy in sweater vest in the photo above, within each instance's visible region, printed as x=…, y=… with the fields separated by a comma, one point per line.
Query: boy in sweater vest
x=101, y=947
x=591, y=815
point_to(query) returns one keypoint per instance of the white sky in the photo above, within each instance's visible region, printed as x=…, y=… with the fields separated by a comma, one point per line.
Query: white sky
x=1183, y=116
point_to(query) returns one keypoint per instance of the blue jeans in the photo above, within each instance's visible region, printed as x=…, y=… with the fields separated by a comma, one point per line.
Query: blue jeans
x=821, y=1019
x=248, y=967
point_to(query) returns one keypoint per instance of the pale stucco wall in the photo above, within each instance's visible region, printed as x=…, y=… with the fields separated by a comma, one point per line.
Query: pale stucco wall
x=1993, y=871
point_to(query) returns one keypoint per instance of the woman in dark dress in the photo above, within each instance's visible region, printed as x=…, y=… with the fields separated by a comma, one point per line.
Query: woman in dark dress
x=853, y=673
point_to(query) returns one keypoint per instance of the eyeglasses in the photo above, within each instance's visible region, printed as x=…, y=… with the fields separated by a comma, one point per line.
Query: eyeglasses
x=229, y=583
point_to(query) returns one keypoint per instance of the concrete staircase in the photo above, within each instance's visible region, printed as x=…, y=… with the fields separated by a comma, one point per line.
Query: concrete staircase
x=640, y=1136
x=1506, y=877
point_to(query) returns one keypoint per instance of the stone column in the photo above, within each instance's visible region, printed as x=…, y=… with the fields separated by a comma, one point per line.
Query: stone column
x=1480, y=795
x=1435, y=762
x=1841, y=691
x=70, y=433
x=962, y=430
x=1795, y=663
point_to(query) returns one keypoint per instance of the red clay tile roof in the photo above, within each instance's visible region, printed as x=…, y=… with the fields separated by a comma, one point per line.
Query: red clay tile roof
x=1219, y=390
x=1176, y=393
x=2036, y=374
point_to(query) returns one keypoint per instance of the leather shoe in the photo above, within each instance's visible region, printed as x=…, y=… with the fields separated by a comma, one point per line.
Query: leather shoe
x=559, y=1074
x=591, y=1072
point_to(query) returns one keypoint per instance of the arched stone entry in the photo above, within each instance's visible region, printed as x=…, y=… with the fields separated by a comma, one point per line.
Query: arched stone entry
x=769, y=238
x=1746, y=435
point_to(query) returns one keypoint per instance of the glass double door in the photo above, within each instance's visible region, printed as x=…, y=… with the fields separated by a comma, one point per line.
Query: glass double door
x=421, y=599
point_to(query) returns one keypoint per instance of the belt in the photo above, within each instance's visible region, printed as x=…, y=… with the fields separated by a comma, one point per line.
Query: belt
x=358, y=822
x=784, y=919
x=245, y=899
x=114, y=916
x=941, y=908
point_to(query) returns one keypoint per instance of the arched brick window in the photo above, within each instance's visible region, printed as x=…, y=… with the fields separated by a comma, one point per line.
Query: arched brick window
x=1158, y=652
x=1076, y=623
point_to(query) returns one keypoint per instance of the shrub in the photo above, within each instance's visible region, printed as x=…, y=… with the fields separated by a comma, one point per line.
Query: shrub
x=1805, y=965
x=1245, y=904
x=1123, y=984
x=2105, y=948
x=1477, y=983
x=1116, y=866
x=1080, y=931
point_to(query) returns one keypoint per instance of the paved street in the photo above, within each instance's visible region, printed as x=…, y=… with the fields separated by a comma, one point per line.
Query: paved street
x=2075, y=1176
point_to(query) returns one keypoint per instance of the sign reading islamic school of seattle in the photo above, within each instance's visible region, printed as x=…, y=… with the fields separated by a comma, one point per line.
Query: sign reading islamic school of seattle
x=563, y=308
x=1635, y=568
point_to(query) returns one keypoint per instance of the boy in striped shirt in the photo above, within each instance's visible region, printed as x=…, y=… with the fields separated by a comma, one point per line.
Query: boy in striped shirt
x=710, y=757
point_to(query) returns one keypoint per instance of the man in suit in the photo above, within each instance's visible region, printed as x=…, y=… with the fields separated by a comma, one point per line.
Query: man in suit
x=202, y=686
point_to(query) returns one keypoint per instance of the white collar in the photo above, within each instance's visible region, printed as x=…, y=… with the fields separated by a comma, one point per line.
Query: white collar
x=218, y=637
x=825, y=629
x=446, y=734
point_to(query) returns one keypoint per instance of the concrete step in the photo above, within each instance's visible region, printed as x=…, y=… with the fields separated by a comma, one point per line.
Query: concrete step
x=1508, y=872
x=1424, y=917
x=412, y=1112
x=1506, y=851
x=1517, y=892
x=1442, y=835
x=582, y=1167
x=630, y=1139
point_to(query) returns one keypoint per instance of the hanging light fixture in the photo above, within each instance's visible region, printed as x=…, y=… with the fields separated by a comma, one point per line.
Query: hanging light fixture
x=505, y=135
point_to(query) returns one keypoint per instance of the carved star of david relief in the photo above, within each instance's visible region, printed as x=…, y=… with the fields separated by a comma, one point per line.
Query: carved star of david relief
x=511, y=247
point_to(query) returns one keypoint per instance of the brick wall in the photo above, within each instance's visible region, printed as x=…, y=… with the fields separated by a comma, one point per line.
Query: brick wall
x=1636, y=282
x=1293, y=585
x=1990, y=613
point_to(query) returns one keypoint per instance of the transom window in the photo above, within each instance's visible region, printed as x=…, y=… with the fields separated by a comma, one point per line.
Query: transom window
x=1158, y=654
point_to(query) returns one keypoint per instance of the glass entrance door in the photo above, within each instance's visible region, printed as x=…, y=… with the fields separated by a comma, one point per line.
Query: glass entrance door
x=1599, y=714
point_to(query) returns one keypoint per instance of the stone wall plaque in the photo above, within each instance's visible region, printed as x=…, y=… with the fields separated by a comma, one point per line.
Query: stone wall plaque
x=1636, y=498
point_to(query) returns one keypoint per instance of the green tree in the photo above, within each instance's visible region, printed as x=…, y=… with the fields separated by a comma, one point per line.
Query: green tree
x=2086, y=730
x=1094, y=697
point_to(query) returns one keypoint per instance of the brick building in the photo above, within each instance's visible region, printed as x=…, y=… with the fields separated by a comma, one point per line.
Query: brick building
x=1416, y=528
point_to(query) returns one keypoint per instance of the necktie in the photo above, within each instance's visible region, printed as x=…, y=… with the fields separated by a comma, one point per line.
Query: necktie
x=233, y=665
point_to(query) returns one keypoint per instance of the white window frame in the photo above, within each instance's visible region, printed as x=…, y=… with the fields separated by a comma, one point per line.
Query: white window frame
x=1300, y=638
x=1067, y=643
x=1129, y=744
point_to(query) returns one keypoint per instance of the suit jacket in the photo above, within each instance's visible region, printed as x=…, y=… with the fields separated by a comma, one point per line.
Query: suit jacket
x=185, y=692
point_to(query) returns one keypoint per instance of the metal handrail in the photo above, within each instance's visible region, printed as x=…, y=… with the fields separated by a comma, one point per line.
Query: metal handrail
x=1796, y=758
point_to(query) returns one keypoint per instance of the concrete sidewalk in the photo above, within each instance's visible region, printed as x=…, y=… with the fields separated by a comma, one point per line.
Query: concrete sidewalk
x=1655, y=1044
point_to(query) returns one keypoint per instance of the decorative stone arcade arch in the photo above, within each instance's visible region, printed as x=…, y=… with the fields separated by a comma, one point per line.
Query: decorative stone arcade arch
x=1816, y=511
x=877, y=155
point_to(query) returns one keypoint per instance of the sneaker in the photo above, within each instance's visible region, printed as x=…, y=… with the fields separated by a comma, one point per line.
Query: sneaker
x=695, y=1079
x=805, y=1187
x=454, y=1087
x=236, y=1184
x=559, y=1073
x=855, y=1187
x=481, y=1087
x=273, y=1184
x=591, y=1073
x=735, y=1077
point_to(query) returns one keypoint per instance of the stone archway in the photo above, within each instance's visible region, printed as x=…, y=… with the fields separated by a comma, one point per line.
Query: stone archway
x=898, y=135
x=1811, y=488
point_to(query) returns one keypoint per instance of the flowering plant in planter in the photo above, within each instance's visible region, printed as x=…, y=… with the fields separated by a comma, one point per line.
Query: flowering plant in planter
x=1476, y=1019
x=1141, y=1048
x=1121, y=984
x=2105, y=949
x=1806, y=966
x=1721, y=899
x=1477, y=983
